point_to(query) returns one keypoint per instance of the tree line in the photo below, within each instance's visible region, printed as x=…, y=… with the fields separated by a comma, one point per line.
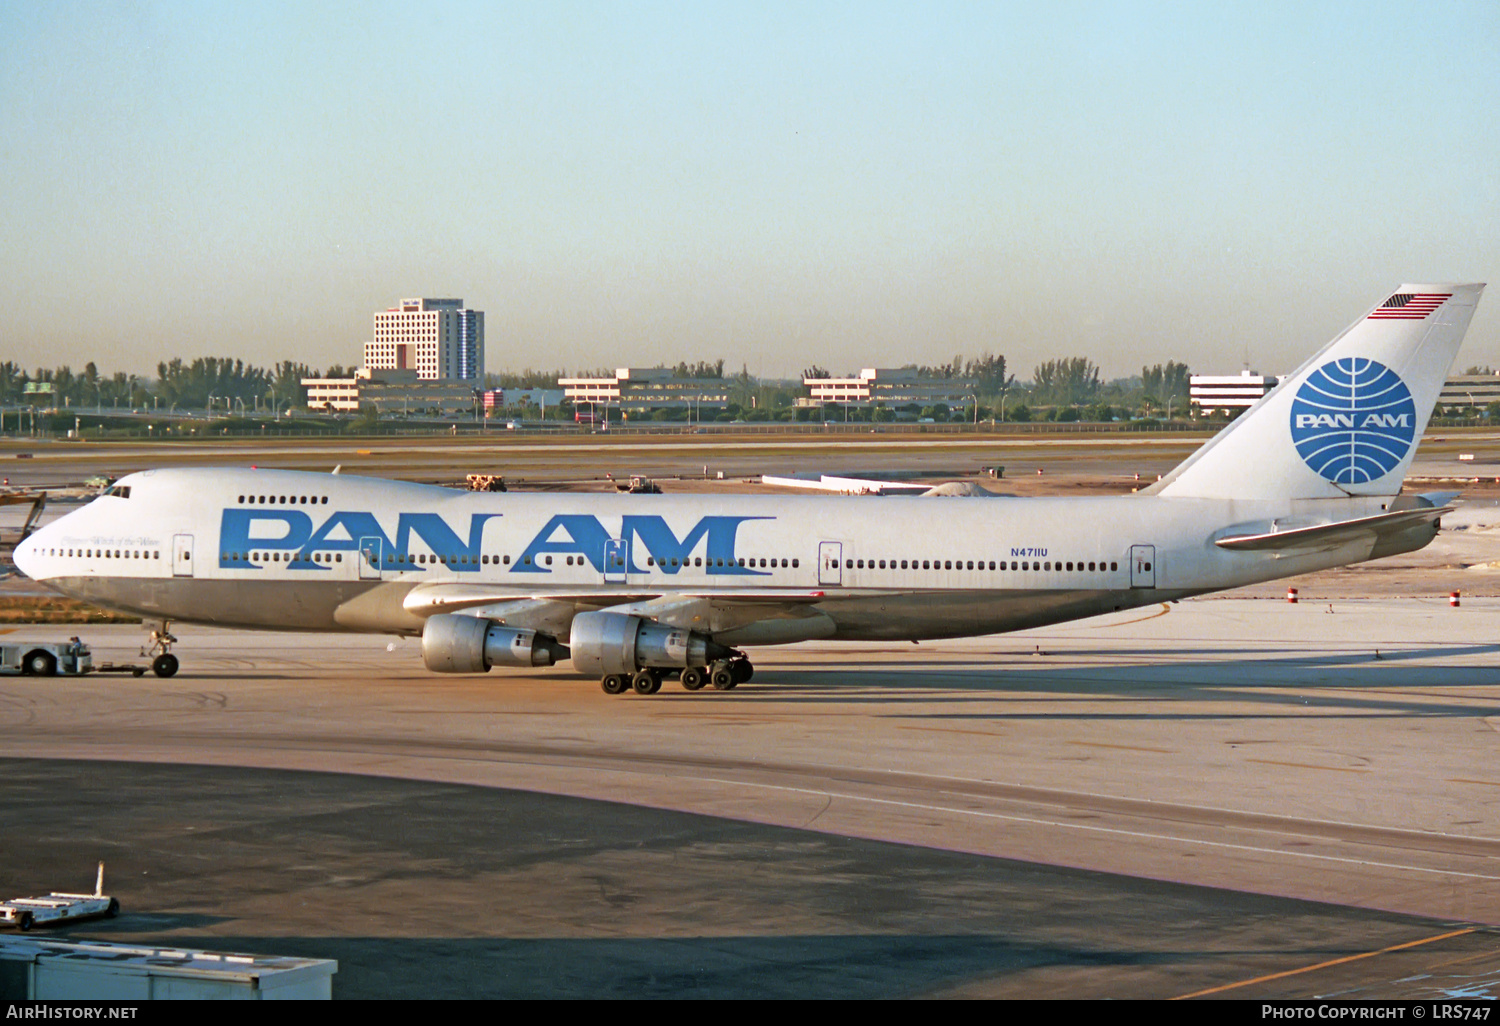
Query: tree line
x=235, y=385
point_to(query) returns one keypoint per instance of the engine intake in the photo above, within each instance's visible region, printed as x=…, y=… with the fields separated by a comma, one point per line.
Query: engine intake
x=453, y=643
x=607, y=643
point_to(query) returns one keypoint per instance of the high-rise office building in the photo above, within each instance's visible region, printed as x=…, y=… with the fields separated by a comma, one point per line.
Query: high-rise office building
x=437, y=338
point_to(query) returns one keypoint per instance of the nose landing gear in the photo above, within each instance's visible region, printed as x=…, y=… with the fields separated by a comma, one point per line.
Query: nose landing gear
x=164, y=663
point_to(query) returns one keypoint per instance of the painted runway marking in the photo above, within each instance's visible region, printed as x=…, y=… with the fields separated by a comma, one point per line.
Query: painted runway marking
x=1116, y=831
x=1324, y=965
x=1308, y=765
x=1123, y=748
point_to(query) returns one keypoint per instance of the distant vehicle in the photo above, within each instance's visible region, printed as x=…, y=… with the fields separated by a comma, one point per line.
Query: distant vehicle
x=46, y=658
x=24, y=913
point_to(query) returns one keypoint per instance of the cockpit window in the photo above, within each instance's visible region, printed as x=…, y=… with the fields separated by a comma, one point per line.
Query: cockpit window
x=122, y=491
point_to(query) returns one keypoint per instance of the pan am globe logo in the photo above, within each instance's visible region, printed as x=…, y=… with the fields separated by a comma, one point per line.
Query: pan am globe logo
x=1353, y=421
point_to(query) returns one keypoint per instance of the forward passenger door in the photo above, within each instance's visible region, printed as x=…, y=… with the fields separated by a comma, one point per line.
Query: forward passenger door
x=831, y=563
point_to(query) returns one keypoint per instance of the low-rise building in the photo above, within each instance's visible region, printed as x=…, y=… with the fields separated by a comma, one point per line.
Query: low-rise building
x=391, y=392
x=543, y=399
x=1228, y=392
x=1478, y=390
x=645, y=390
x=893, y=387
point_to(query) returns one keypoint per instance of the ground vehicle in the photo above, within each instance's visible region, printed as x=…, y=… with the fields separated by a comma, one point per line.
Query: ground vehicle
x=57, y=906
x=46, y=658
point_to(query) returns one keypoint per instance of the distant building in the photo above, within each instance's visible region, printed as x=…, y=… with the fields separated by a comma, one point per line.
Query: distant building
x=436, y=338
x=901, y=386
x=1470, y=390
x=645, y=389
x=1228, y=392
x=336, y=395
x=509, y=398
x=391, y=392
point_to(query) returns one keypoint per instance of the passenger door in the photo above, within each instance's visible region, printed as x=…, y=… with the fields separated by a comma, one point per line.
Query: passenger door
x=371, y=549
x=182, y=555
x=831, y=563
x=616, y=560
x=1143, y=566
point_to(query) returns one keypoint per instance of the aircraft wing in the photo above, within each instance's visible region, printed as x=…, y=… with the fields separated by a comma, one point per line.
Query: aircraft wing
x=546, y=609
x=451, y=597
x=1327, y=536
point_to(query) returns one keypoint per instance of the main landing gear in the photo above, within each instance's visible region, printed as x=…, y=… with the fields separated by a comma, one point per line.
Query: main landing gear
x=722, y=675
x=164, y=663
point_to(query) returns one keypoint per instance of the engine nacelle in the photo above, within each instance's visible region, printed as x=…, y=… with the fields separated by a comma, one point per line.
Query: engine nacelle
x=452, y=643
x=604, y=643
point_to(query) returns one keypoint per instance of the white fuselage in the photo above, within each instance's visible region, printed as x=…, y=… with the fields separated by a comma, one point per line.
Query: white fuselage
x=304, y=551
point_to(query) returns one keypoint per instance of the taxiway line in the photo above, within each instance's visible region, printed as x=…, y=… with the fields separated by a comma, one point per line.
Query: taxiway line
x=1324, y=965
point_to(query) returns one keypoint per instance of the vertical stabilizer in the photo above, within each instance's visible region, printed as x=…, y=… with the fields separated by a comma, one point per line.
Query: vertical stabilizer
x=1348, y=420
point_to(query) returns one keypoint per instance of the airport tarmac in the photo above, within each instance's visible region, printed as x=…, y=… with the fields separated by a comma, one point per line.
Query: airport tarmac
x=1200, y=797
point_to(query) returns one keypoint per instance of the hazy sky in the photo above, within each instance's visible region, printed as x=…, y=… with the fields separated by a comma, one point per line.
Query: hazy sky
x=847, y=184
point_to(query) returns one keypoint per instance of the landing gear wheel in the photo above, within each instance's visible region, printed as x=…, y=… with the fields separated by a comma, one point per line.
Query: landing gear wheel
x=742, y=671
x=41, y=664
x=722, y=677
x=164, y=665
x=694, y=677
x=24, y=922
x=645, y=682
x=615, y=684
x=113, y=909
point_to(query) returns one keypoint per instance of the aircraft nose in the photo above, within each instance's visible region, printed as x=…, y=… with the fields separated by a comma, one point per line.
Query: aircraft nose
x=27, y=556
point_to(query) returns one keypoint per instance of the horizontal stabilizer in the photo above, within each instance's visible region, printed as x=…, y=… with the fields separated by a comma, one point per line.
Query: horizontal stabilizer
x=1325, y=536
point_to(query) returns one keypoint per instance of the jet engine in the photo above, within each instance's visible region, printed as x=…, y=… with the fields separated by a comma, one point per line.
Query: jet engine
x=616, y=643
x=452, y=643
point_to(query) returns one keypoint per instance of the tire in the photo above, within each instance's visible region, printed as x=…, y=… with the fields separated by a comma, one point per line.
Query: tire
x=40, y=664
x=164, y=665
x=25, y=922
x=722, y=678
x=113, y=909
x=615, y=684
x=694, y=678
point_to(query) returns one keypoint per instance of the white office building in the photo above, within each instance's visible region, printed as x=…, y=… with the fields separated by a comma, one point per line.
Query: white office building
x=436, y=338
x=895, y=386
x=1228, y=392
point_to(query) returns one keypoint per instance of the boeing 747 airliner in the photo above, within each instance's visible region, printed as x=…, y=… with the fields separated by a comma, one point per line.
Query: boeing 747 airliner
x=633, y=588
